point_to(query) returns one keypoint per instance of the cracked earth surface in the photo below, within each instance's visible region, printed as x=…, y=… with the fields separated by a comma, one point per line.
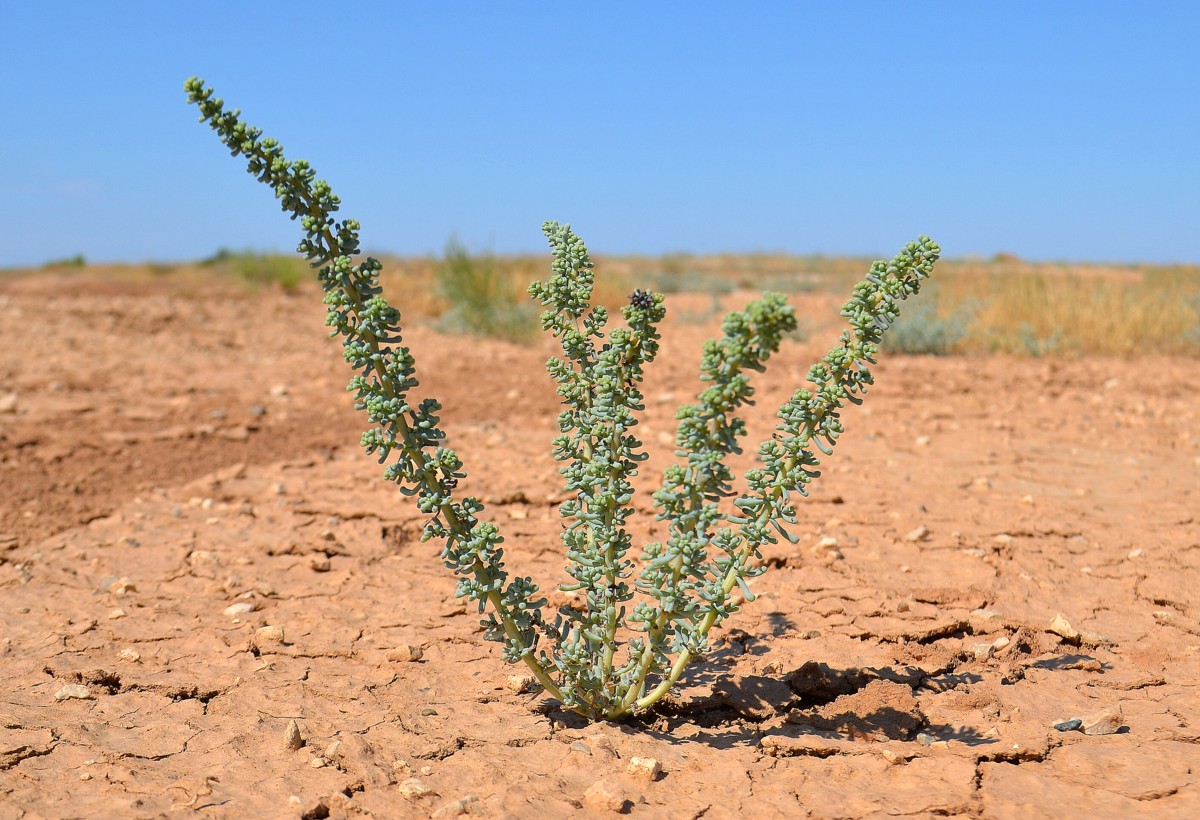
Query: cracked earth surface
x=194, y=554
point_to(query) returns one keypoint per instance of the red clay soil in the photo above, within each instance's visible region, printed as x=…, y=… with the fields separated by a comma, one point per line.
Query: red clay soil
x=194, y=553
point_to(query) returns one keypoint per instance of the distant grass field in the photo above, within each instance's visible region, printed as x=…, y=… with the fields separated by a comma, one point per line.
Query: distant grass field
x=1002, y=305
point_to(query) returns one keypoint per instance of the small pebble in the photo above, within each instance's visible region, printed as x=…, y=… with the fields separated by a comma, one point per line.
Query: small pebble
x=1062, y=627
x=1068, y=725
x=1000, y=643
x=458, y=807
x=334, y=750
x=122, y=586
x=983, y=651
x=429, y=711
x=8, y=403
x=646, y=767
x=130, y=655
x=85, y=776
x=291, y=736
x=115, y=614
x=919, y=534
x=924, y=739
x=318, y=762
x=279, y=390
x=1105, y=722
x=268, y=636
x=198, y=558
x=604, y=795
x=521, y=684
x=1137, y=553
x=405, y=653
x=319, y=563
x=581, y=747
x=73, y=690
x=233, y=610
x=413, y=788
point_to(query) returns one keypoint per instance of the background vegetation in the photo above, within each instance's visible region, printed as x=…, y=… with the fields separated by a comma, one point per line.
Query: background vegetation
x=974, y=306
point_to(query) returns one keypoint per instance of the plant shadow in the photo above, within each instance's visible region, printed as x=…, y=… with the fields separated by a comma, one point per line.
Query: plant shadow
x=723, y=711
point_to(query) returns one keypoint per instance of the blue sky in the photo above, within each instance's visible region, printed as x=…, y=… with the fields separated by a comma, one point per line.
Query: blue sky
x=1054, y=130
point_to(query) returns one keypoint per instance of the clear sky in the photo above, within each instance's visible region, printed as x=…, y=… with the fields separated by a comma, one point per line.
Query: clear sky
x=1053, y=130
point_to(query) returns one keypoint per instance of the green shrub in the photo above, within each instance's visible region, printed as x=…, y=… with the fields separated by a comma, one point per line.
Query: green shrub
x=259, y=269
x=631, y=638
x=482, y=299
x=76, y=261
x=922, y=330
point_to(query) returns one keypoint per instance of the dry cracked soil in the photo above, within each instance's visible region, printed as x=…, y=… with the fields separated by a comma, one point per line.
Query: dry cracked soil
x=194, y=555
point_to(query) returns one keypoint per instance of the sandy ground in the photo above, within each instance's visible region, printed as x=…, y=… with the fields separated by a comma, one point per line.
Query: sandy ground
x=1017, y=545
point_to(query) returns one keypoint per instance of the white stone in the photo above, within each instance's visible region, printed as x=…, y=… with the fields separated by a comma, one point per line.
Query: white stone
x=73, y=690
x=646, y=767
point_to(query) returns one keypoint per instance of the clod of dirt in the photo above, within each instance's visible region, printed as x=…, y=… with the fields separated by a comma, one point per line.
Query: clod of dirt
x=755, y=697
x=882, y=710
x=405, y=653
x=817, y=684
x=604, y=795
